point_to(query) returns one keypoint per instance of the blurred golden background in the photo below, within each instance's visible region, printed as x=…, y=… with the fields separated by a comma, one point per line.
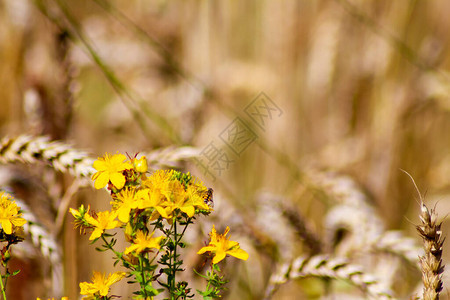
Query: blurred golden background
x=357, y=91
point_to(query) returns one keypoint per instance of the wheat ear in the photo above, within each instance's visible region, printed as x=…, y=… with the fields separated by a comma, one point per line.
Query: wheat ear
x=330, y=268
x=42, y=239
x=394, y=242
x=171, y=156
x=62, y=157
x=431, y=261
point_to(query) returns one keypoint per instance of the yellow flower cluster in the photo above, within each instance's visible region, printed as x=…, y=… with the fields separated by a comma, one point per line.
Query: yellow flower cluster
x=10, y=217
x=138, y=199
x=160, y=195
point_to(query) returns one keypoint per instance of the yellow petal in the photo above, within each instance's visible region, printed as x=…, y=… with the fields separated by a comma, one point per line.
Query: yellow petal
x=18, y=221
x=103, y=291
x=101, y=181
x=131, y=249
x=238, y=253
x=115, y=277
x=206, y=249
x=96, y=234
x=100, y=165
x=189, y=210
x=118, y=180
x=219, y=256
x=162, y=212
x=124, y=215
x=7, y=226
x=75, y=213
x=91, y=220
x=87, y=288
x=118, y=159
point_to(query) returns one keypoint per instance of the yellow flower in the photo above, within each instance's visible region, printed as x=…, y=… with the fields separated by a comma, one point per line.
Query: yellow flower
x=196, y=196
x=159, y=179
x=9, y=213
x=220, y=246
x=180, y=204
x=105, y=220
x=100, y=283
x=109, y=168
x=79, y=215
x=151, y=199
x=126, y=203
x=75, y=213
x=144, y=241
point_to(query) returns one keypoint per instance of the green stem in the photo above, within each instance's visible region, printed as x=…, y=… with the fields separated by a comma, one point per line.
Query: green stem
x=174, y=267
x=144, y=279
x=184, y=229
x=118, y=254
x=3, y=286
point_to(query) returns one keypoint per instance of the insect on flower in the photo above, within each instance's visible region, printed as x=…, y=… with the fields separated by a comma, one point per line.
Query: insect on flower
x=208, y=198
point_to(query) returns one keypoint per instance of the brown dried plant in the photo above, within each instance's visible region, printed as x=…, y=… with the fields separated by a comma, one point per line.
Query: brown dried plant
x=431, y=262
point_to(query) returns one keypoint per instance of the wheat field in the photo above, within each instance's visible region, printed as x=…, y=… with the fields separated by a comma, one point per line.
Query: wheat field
x=303, y=116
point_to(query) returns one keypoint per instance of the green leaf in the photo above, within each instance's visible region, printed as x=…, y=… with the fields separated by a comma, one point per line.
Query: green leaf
x=100, y=249
x=151, y=289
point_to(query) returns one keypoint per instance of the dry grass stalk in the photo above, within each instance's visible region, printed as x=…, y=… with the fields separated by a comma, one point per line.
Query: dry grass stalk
x=326, y=267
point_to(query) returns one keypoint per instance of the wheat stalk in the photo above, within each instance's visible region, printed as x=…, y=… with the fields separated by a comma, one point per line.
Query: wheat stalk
x=43, y=240
x=396, y=243
x=301, y=226
x=431, y=262
x=170, y=156
x=353, y=209
x=326, y=267
x=62, y=157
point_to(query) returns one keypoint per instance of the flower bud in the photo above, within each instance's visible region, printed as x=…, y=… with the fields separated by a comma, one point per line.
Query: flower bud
x=128, y=233
x=5, y=257
x=141, y=165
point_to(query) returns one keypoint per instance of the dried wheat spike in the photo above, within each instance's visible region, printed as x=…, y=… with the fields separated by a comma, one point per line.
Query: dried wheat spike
x=60, y=156
x=301, y=226
x=352, y=210
x=171, y=156
x=44, y=241
x=396, y=243
x=431, y=262
x=331, y=268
